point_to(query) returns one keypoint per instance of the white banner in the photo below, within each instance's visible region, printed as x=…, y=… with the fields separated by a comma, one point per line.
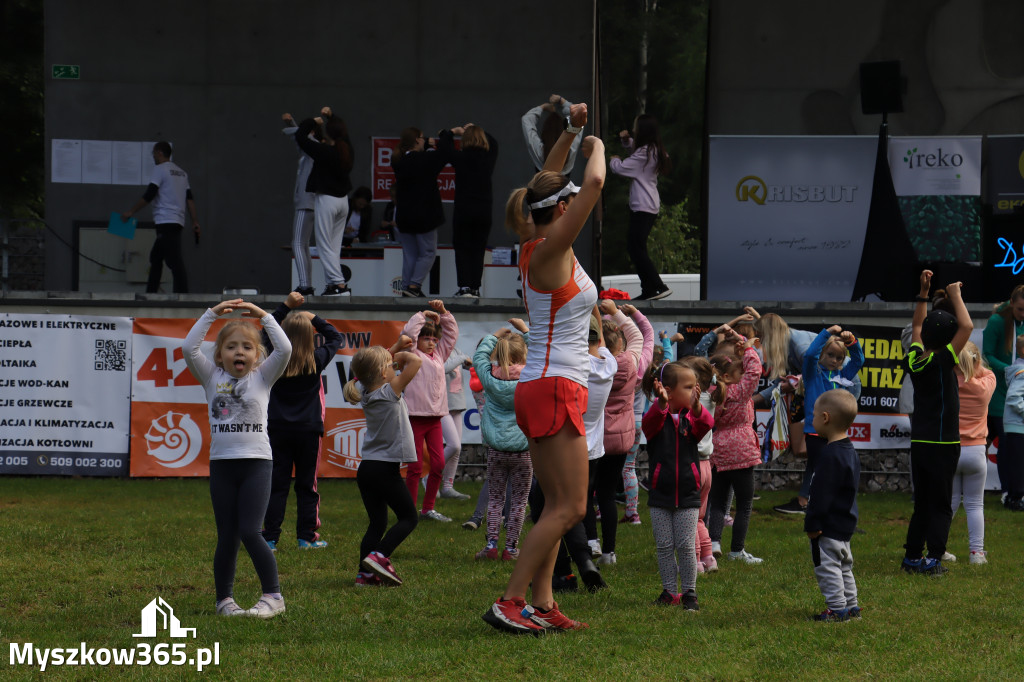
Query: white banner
x=935, y=166
x=65, y=394
x=787, y=216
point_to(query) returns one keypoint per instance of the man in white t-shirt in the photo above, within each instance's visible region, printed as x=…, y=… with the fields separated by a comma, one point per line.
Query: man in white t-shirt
x=171, y=196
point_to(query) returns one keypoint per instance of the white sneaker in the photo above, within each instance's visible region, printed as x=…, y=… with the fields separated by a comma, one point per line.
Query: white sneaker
x=434, y=515
x=745, y=556
x=595, y=547
x=452, y=494
x=951, y=558
x=716, y=549
x=267, y=607
x=979, y=558
x=606, y=559
x=229, y=607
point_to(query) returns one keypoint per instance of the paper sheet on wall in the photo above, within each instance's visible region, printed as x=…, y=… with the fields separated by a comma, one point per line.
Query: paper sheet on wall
x=66, y=161
x=127, y=163
x=96, y=161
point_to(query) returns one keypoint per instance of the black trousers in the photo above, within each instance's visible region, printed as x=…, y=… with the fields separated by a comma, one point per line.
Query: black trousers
x=932, y=466
x=1011, y=465
x=640, y=225
x=606, y=472
x=381, y=486
x=469, y=240
x=301, y=450
x=167, y=249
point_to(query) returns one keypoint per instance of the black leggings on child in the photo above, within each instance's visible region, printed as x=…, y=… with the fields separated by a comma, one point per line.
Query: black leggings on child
x=381, y=486
x=605, y=474
x=742, y=482
x=239, y=491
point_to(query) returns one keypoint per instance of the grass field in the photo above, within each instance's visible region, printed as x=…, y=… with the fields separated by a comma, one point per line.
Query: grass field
x=81, y=558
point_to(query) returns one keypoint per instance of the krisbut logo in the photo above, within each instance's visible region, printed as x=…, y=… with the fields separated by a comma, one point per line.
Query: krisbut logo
x=938, y=159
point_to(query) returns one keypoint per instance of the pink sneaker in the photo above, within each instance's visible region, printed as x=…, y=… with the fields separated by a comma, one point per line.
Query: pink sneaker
x=364, y=579
x=710, y=564
x=380, y=565
x=700, y=566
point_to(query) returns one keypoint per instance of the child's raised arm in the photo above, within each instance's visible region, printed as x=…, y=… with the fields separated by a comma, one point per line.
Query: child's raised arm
x=856, y=356
x=273, y=367
x=408, y=364
x=751, y=374
x=813, y=353
x=202, y=367
x=964, y=324
x=921, y=307
x=449, y=329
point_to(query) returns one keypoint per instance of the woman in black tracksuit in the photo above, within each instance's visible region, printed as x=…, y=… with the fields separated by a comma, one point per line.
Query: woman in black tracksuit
x=471, y=222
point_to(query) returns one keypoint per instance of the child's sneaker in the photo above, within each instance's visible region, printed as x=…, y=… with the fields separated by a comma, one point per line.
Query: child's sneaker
x=377, y=563
x=716, y=549
x=700, y=566
x=689, y=600
x=951, y=558
x=932, y=567
x=434, y=515
x=710, y=563
x=267, y=607
x=830, y=616
x=315, y=544
x=564, y=583
x=472, y=524
x=509, y=554
x=553, y=620
x=452, y=494
x=854, y=611
x=507, y=615
x=978, y=558
x=910, y=565
x=272, y=544
x=228, y=607
x=595, y=547
x=488, y=552
x=365, y=579
x=728, y=520
x=631, y=519
x=666, y=598
x=606, y=559
x=745, y=556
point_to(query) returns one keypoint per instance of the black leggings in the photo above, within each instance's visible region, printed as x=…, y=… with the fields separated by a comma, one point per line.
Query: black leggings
x=301, y=450
x=932, y=466
x=381, y=486
x=640, y=225
x=742, y=482
x=239, y=491
x=167, y=249
x=605, y=477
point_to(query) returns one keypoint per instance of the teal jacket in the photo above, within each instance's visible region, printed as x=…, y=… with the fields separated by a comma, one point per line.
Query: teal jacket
x=498, y=418
x=993, y=347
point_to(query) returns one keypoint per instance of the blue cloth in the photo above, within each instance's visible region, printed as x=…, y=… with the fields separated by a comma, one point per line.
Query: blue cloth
x=498, y=418
x=817, y=379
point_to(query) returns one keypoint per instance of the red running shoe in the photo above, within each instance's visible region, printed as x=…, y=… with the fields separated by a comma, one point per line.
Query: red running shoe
x=667, y=598
x=377, y=563
x=488, y=552
x=367, y=580
x=553, y=620
x=507, y=615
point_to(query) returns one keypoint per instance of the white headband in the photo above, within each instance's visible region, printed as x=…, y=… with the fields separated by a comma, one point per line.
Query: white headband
x=555, y=198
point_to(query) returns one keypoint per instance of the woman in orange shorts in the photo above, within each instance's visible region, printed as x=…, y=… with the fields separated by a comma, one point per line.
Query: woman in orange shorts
x=548, y=215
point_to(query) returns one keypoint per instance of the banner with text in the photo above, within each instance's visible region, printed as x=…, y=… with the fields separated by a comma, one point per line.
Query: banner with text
x=170, y=426
x=787, y=216
x=879, y=425
x=65, y=398
x=938, y=182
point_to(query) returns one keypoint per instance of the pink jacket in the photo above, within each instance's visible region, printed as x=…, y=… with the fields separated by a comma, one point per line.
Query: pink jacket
x=427, y=393
x=619, y=424
x=735, y=442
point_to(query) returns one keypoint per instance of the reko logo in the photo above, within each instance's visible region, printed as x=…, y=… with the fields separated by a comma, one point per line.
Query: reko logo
x=935, y=160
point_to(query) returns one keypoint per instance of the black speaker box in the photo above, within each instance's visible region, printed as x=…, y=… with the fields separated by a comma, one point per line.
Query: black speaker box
x=881, y=88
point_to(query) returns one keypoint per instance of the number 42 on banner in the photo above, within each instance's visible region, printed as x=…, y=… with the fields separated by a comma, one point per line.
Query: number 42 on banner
x=156, y=369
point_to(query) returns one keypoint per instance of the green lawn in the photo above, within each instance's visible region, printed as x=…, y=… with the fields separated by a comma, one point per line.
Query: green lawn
x=82, y=557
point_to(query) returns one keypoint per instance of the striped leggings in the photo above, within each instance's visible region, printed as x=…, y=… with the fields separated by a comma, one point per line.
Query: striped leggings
x=516, y=470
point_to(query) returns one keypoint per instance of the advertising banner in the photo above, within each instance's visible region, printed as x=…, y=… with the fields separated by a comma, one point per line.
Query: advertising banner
x=65, y=387
x=1006, y=174
x=938, y=181
x=787, y=216
x=383, y=177
x=879, y=424
x=170, y=427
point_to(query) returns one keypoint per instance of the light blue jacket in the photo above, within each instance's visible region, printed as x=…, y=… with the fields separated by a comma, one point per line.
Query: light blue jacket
x=1013, y=413
x=498, y=419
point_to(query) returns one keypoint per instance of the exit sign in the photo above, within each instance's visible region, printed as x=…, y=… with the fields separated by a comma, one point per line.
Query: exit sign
x=66, y=71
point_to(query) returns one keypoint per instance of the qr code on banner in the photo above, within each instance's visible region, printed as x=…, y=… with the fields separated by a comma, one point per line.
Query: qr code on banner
x=110, y=355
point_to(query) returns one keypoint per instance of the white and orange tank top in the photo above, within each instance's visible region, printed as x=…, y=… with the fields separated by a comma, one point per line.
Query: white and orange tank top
x=559, y=323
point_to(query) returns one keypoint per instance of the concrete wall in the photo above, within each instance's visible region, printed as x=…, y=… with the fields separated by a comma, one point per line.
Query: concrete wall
x=214, y=76
x=783, y=68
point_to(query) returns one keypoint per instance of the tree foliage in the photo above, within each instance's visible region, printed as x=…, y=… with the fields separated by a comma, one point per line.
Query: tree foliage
x=676, y=58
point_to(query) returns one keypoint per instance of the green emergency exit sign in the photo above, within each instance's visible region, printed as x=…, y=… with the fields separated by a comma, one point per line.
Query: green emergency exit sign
x=66, y=71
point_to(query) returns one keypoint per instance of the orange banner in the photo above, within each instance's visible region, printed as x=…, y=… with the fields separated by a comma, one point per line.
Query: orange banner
x=170, y=427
